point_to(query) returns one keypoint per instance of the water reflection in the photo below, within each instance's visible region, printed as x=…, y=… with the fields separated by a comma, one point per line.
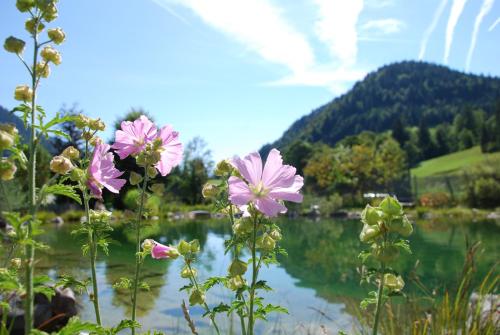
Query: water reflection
x=313, y=282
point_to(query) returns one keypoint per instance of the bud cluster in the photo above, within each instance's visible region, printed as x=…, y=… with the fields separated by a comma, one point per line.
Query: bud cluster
x=151, y=155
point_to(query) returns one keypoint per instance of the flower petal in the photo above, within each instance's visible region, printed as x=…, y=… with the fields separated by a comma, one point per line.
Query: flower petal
x=289, y=193
x=276, y=174
x=239, y=192
x=269, y=207
x=250, y=167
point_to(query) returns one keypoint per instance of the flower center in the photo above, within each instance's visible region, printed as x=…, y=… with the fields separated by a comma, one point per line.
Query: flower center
x=139, y=142
x=258, y=190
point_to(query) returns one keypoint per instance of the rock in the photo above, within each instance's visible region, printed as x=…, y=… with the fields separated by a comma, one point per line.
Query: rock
x=58, y=221
x=493, y=216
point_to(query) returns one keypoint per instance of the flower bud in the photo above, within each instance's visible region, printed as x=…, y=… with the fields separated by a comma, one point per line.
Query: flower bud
x=57, y=35
x=87, y=135
x=6, y=140
x=23, y=93
x=237, y=268
x=197, y=297
x=222, y=168
x=7, y=169
x=33, y=24
x=100, y=215
x=369, y=232
x=242, y=226
x=275, y=235
x=158, y=189
x=184, y=247
x=194, y=246
x=391, y=206
x=148, y=244
x=95, y=140
x=14, y=45
x=151, y=171
x=24, y=5
x=61, y=165
x=49, y=54
x=235, y=283
x=43, y=69
x=209, y=191
x=385, y=254
x=96, y=124
x=71, y=152
x=173, y=253
x=50, y=13
x=77, y=175
x=135, y=178
x=371, y=215
x=186, y=272
x=16, y=263
x=82, y=121
x=265, y=243
x=393, y=282
x=9, y=128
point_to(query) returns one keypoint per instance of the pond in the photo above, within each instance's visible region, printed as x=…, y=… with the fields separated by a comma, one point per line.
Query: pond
x=317, y=282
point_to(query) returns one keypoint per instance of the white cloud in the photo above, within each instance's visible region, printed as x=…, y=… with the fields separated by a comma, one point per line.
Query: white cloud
x=457, y=8
x=385, y=26
x=336, y=27
x=493, y=26
x=430, y=29
x=485, y=9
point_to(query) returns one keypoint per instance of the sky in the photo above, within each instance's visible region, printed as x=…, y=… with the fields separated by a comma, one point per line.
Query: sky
x=238, y=73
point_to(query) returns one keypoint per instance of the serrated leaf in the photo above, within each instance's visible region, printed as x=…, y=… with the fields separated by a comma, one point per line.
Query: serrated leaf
x=61, y=189
x=403, y=244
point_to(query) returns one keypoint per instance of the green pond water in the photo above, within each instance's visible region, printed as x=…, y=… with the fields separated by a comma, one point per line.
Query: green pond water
x=317, y=282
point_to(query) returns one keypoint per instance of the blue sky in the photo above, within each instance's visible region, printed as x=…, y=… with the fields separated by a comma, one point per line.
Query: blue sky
x=239, y=72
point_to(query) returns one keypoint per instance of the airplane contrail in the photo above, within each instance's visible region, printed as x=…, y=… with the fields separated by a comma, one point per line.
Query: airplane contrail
x=457, y=8
x=430, y=29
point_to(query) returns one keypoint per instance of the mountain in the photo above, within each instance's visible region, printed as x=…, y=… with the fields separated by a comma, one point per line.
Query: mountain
x=407, y=90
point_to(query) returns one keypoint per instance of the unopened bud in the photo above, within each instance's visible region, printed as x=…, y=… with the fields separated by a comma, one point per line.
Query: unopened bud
x=71, y=153
x=16, y=263
x=371, y=215
x=43, y=69
x=61, y=165
x=390, y=206
x=187, y=272
x=158, y=189
x=33, y=24
x=57, y=35
x=393, y=282
x=222, y=168
x=173, y=253
x=237, y=268
x=82, y=121
x=209, y=191
x=369, y=232
x=6, y=140
x=23, y=93
x=49, y=54
x=151, y=171
x=96, y=124
x=197, y=297
x=100, y=215
x=14, y=45
x=50, y=13
x=7, y=169
x=87, y=135
x=77, y=175
x=184, y=247
x=266, y=243
x=275, y=235
x=148, y=245
x=9, y=128
x=25, y=5
x=235, y=283
x=135, y=178
x=194, y=246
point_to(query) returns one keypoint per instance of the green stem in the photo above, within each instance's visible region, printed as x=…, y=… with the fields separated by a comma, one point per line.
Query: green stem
x=379, y=299
x=93, y=256
x=207, y=309
x=138, y=259
x=29, y=249
x=254, y=279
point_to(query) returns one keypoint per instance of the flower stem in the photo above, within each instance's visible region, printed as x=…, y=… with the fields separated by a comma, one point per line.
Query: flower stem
x=93, y=256
x=29, y=249
x=254, y=279
x=138, y=259
x=207, y=309
x=379, y=299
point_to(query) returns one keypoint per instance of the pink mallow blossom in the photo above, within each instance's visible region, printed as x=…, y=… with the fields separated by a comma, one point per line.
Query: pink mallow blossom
x=265, y=187
x=102, y=171
x=134, y=136
x=158, y=250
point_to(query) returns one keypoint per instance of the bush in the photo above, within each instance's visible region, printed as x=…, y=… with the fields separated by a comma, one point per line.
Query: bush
x=131, y=201
x=487, y=192
x=435, y=200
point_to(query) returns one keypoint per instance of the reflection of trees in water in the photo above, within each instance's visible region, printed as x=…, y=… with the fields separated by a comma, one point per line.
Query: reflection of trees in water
x=323, y=254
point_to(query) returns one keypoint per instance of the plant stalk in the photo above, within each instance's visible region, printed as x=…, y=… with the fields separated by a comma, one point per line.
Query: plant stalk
x=254, y=280
x=379, y=299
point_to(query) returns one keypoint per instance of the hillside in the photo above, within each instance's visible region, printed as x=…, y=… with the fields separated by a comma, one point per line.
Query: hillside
x=409, y=90
x=453, y=162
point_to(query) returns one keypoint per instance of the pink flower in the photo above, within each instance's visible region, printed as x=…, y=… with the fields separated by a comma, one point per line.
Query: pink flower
x=158, y=250
x=265, y=187
x=171, y=154
x=102, y=171
x=134, y=136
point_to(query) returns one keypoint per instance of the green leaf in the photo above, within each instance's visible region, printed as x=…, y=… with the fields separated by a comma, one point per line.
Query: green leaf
x=75, y=326
x=364, y=255
x=262, y=285
x=403, y=244
x=212, y=281
x=61, y=189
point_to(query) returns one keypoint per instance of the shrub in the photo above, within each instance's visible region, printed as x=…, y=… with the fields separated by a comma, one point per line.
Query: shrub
x=435, y=200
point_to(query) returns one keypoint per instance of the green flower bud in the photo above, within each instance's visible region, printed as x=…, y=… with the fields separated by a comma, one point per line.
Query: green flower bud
x=82, y=121
x=152, y=171
x=209, y=191
x=237, y=268
x=265, y=243
x=23, y=93
x=147, y=245
x=71, y=152
x=49, y=54
x=61, y=165
x=393, y=282
x=100, y=215
x=77, y=175
x=197, y=297
x=188, y=273
x=385, y=254
x=16, y=263
x=96, y=124
x=6, y=140
x=43, y=69
x=194, y=246
x=14, y=45
x=243, y=226
x=57, y=35
x=135, y=178
x=24, y=5
x=158, y=189
x=173, y=253
x=9, y=128
x=371, y=215
x=222, y=168
x=184, y=247
x=235, y=283
x=369, y=232
x=50, y=13
x=7, y=169
x=400, y=225
x=391, y=206
x=275, y=235
x=31, y=25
